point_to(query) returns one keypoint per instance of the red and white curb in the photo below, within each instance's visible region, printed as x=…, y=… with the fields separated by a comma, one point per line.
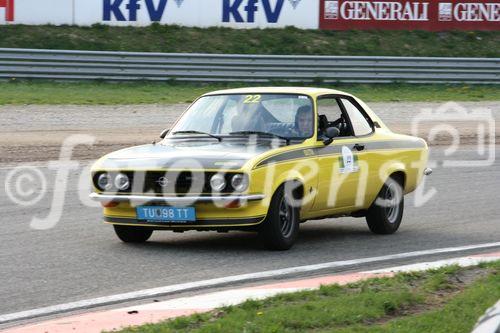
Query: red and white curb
x=159, y=311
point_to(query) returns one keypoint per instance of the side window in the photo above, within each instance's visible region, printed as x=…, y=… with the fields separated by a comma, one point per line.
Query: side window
x=359, y=123
x=330, y=114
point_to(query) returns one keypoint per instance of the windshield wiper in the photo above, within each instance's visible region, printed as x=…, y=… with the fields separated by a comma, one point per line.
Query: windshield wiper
x=262, y=134
x=199, y=132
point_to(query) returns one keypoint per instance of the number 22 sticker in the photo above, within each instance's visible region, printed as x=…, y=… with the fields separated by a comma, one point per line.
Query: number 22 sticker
x=252, y=99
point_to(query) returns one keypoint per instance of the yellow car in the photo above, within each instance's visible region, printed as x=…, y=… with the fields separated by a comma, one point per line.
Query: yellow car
x=264, y=160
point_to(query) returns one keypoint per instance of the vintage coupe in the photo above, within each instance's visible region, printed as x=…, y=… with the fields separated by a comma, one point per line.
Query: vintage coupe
x=265, y=160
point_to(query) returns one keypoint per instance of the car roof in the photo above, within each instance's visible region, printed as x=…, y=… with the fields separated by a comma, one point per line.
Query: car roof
x=279, y=90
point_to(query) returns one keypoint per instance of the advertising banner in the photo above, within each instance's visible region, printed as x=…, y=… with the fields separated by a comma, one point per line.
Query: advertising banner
x=410, y=15
x=6, y=10
x=195, y=13
x=429, y=15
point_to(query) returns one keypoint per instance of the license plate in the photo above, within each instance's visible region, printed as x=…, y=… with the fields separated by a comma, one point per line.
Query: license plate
x=166, y=214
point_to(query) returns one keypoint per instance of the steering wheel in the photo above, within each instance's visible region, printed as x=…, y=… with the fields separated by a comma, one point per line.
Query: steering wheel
x=338, y=121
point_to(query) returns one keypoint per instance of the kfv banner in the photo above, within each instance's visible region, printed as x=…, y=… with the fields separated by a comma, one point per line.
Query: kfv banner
x=410, y=15
x=206, y=13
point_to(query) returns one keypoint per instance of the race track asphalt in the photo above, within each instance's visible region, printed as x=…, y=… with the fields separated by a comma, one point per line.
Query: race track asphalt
x=80, y=257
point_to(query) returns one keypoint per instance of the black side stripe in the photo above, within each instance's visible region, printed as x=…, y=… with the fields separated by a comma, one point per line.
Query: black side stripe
x=336, y=149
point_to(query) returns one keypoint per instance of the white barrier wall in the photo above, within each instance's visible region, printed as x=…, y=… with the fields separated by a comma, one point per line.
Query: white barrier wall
x=43, y=12
x=196, y=13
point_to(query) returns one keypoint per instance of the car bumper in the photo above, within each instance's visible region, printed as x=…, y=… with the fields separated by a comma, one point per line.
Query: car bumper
x=199, y=224
x=143, y=199
x=211, y=211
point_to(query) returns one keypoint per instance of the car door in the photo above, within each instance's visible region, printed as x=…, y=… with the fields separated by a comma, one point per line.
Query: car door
x=363, y=129
x=342, y=163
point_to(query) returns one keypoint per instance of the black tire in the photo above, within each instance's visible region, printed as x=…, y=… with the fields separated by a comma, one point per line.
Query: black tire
x=385, y=214
x=130, y=234
x=280, y=229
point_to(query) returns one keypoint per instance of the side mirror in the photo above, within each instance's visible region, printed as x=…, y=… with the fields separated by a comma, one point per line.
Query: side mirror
x=164, y=133
x=331, y=133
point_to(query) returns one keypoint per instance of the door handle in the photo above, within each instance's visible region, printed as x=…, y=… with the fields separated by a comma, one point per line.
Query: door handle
x=358, y=147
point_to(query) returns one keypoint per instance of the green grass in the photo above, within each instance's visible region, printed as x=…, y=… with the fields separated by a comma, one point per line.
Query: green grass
x=434, y=301
x=163, y=38
x=100, y=93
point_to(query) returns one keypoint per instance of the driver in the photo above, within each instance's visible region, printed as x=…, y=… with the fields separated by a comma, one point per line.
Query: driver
x=304, y=121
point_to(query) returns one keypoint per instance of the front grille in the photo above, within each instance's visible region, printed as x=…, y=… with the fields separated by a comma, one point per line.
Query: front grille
x=176, y=182
x=171, y=182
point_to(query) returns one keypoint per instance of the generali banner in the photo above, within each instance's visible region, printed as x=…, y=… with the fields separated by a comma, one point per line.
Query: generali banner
x=409, y=15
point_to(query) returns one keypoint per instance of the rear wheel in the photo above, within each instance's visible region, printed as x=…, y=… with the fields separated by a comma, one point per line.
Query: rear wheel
x=385, y=214
x=130, y=234
x=281, y=228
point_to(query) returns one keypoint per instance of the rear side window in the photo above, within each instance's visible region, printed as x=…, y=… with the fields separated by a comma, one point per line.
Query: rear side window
x=360, y=125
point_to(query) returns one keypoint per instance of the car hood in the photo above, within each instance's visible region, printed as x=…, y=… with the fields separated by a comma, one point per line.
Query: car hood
x=184, y=154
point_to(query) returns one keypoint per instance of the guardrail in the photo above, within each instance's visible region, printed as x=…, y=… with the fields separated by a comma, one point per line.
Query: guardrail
x=129, y=66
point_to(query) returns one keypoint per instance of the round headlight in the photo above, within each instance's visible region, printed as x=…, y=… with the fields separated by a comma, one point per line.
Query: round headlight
x=239, y=182
x=122, y=182
x=218, y=182
x=104, y=182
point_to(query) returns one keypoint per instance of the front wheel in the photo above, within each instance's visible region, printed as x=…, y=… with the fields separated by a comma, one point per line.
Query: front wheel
x=385, y=214
x=280, y=229
x=130, y=234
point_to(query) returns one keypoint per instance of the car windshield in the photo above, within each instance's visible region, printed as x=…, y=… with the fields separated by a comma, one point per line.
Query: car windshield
x=276, y=115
